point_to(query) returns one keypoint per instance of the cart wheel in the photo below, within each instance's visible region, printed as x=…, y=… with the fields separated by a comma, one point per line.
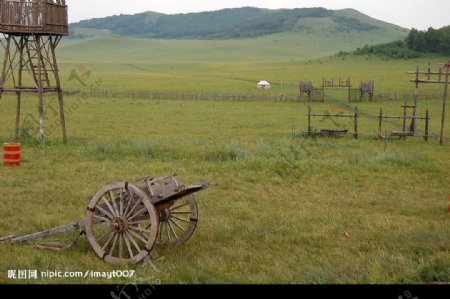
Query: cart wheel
x=121, y=223
x=177, y=221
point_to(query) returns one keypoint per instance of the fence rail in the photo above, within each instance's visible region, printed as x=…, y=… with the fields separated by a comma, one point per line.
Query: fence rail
x=395, y=96
x=156, y=95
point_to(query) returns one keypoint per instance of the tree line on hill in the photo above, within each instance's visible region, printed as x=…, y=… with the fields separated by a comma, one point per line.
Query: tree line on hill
x=414, y=45
x=222, y=24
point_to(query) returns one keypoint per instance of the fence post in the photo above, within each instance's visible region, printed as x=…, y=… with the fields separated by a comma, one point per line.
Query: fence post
x=404, y=117
x=380, y=118
x=309, y=120
x=441, y=137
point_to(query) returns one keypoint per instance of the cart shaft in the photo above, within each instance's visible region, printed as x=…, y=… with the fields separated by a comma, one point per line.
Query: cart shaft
x=53, y=231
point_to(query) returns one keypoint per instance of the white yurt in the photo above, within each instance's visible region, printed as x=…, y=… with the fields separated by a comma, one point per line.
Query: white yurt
x=263, y=84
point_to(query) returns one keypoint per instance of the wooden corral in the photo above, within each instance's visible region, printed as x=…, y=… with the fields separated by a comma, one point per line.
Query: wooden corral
x=407, y=131
x=33, y=17
x=333, y=83
x=365, y=91
x=367, y=87
x=305, y=87
x=333, y=131
x=339, y=83
x=442, y=78
x=313, y=94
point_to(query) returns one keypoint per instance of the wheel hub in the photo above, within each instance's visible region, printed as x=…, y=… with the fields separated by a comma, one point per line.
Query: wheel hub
x=119, y=224
x=164, y=214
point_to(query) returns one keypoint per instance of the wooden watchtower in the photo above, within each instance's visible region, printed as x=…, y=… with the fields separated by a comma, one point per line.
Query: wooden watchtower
x=30, y=31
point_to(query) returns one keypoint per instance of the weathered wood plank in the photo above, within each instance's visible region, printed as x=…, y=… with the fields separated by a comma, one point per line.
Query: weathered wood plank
x=402, y=134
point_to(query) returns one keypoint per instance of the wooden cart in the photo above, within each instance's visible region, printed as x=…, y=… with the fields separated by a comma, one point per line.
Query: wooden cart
x=124, y=220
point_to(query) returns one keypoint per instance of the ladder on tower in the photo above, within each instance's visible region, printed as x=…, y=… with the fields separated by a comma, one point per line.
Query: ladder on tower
x=36, y=65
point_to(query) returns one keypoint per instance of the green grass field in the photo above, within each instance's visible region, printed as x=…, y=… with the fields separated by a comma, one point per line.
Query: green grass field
x=278, y=206
x=231, y=66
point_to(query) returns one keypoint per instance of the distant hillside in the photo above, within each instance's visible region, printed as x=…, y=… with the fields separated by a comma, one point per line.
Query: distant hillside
x=233, y=23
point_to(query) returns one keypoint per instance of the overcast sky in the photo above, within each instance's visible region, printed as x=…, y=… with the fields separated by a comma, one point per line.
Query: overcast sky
x=419, y=14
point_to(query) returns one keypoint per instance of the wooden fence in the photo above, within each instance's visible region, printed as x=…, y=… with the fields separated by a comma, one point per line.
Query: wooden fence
x=394, y=96
x=156, y=95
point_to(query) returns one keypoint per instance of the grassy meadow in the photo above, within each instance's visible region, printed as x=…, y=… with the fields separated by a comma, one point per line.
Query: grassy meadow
x=231, y=66
x=280, y=209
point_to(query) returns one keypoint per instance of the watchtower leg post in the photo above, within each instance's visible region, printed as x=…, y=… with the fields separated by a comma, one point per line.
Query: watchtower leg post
x=53, y=44
x=21, y=46
x=5, y=62
x=41, y=117
x=40, y=89
x=18, y=94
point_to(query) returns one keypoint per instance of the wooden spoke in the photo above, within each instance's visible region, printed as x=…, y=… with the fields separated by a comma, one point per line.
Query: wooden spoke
x=171, y=228
x=137, y=222
x=121, y=203
x=179, y=226
x=104, y=236
x=144, y=209
x=120, y=245
x=127, y=242
x=184, y=220
x=160, y=229
x=114, y=243
x=180, y=213
x=134, y=208
x=113, y=199
x=177, y=207
x=103, y=219
x=130, y=199
x=99, y=208
x=133, y=241
x=109, y=206
x=177, y=222
x=168, y=231
x=139, y=229
x=109, y=240
x=139, y=236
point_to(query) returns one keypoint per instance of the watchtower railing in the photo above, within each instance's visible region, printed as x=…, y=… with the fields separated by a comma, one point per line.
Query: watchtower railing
x=33, y=17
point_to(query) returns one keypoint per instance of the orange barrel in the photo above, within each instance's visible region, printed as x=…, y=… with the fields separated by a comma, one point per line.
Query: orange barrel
x=11, y=154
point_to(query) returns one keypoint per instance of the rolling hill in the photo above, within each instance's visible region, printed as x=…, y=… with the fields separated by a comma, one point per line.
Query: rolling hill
x=243, y=22
x=244, y=34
